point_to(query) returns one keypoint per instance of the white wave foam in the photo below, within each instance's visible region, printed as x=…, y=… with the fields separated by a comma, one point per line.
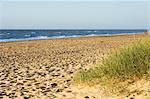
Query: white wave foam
x=31, y=38
x=92, y=35
x=89, y=31
x=66, y=36
x=27, y=35
x=57, y=37
x=46, y=37
x=33, y=32
x=38, y=37
x=99, y=35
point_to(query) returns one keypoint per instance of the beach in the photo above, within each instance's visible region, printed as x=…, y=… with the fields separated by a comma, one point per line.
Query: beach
x=42, y=69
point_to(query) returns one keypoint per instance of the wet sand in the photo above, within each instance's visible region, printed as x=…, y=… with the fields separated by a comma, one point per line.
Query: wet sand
x=43, y=69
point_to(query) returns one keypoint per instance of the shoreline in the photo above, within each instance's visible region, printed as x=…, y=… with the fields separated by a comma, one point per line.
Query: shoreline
x=67, y=37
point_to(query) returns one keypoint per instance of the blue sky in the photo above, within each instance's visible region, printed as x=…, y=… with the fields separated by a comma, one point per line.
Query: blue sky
x=74, y=14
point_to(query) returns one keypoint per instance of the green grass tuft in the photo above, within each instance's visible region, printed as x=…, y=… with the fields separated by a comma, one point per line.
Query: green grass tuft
x=128, y=62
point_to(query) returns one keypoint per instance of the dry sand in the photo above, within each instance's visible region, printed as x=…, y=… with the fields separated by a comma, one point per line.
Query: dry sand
x=43, y=69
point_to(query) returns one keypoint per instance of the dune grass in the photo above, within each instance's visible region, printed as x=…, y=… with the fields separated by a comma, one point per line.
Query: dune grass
x=128, y=62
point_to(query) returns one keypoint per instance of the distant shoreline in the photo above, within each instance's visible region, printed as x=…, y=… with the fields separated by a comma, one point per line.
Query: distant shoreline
x=64, y=37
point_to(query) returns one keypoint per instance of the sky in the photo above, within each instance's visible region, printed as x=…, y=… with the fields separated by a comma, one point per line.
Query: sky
x=74, y=14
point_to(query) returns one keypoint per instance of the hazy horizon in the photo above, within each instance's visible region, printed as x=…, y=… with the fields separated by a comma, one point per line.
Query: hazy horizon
x=81, y=14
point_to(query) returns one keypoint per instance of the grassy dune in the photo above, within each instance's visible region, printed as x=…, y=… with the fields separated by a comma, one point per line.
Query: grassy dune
x=124, y=64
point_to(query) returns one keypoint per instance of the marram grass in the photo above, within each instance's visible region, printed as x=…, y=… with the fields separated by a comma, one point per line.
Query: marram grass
x=125, y=63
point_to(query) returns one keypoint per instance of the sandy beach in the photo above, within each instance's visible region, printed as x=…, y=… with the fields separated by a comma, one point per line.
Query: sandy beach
x=43, y=69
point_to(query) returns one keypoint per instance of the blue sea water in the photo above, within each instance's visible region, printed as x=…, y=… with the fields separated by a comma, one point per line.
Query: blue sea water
x=16, y=35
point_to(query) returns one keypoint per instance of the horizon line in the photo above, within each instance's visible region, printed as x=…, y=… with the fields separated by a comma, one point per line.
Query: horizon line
x=76, y=29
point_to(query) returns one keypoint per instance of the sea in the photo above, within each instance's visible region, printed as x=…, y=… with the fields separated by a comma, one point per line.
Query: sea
x=19, y=35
